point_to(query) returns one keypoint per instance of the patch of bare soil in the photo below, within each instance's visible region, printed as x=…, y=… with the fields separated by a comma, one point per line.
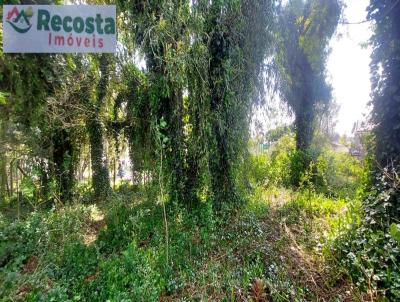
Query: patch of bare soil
x=93, y=230
x=31, y=265
x=22, y=291
x=304, y=267
x=95, y=225
x=311, y=271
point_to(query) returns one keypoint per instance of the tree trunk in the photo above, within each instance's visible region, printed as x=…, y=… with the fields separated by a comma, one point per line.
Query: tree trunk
x=100, y=173
x=304, y=124
x=3, y=179
x=3, y=164
x=174, y=152
x=44, y=180
x=386, y=110
x=170, y=109
x=304, y=127
x=222, y=181
x=12, y=177
x=95, y=128
x=63, y=157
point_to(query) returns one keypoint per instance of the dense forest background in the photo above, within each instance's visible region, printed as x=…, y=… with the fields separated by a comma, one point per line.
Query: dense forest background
x=145, y=175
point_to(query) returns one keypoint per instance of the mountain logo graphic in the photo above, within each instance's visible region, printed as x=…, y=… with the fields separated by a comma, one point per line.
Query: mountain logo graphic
x=20, y=20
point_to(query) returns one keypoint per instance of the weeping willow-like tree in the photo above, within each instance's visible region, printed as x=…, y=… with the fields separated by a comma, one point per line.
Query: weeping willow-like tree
x=304, y=30
x=385, y=67
x=214, y=52
x=237, y=35
x=160, y=31
x=53, y=96
x=132, y=118
x=371, y=248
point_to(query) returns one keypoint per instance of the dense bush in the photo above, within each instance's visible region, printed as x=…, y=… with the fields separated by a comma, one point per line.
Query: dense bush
x=41, y=238
x=370, y=250
x=40, y=232
x=371, y=258
x=125, y=222
x=338, y=174
x=270, y=168
x=129, y=277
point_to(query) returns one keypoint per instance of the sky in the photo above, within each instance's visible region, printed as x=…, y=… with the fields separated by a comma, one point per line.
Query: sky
x=348, y=67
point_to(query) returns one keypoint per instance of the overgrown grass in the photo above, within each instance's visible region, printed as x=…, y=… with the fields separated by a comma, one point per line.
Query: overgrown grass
x=117, y=251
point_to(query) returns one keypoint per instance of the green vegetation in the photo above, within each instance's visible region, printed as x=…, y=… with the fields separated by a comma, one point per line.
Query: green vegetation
x=269, y=248
x=116, y=251
x=136, y=176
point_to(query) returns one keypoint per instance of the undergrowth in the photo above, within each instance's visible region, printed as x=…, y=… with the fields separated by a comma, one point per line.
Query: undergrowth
x=241, y=257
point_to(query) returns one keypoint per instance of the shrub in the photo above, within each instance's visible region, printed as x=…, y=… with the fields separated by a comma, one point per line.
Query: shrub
x=370, y=251
x=271, y=168
x=129, y=277
x=40, y=233
x=338, y=174
x=371, y=258
x=34, y=245
x=78, y=262
x=125, y=222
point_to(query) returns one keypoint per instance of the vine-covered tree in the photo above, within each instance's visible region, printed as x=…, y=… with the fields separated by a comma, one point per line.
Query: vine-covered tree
x=132, y=118
x=95, y=127
x=230, y=40
x=29, y=83
x=160, y=31
x=385, y=68
x=237, y=34
x=304, y=31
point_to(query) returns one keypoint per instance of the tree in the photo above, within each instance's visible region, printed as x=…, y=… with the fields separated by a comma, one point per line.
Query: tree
x=160, y=32
x=30, y=82
x=214, y=51
x=238, y=41
x=132, y=118
x=305, y=28
x=95, y=126
x=385, y=68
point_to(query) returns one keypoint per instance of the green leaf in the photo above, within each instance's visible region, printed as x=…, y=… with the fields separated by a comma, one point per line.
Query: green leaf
x=395, y=232
x=3, y=97
x=163, y=124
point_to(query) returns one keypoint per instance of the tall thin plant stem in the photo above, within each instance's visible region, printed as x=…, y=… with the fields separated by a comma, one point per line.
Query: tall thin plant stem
x=164, y=210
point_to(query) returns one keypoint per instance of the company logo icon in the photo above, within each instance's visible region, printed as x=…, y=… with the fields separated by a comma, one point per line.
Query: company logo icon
x=20, y=20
